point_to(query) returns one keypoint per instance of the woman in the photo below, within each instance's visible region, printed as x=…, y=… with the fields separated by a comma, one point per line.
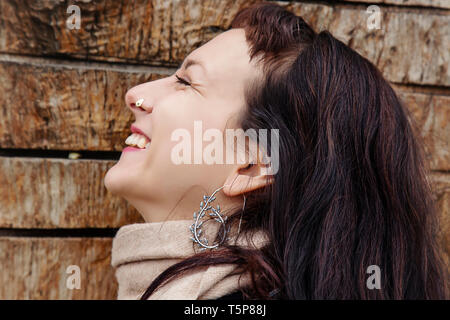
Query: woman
x=345, y=191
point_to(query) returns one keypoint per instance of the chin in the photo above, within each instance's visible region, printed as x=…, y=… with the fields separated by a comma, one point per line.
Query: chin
x=114, y=181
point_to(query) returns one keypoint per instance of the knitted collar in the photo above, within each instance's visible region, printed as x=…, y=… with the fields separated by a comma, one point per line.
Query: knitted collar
x=141, y=251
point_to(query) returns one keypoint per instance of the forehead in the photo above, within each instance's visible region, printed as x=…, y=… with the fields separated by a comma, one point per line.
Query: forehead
x=230, y=43
x=226, y=56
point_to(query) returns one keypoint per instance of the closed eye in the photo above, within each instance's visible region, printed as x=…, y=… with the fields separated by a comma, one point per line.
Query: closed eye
x=182, y=81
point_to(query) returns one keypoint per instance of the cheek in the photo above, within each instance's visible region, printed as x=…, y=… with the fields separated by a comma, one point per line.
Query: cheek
x=167, y=119
x=194, y=118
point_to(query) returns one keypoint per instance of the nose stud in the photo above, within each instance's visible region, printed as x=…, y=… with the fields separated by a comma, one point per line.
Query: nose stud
x=139, y=102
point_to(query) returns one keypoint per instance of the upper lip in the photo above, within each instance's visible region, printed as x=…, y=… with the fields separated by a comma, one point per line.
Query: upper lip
x=135, y=129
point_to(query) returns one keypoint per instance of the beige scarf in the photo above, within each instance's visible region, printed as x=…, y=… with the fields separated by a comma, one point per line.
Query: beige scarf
x=141, y=251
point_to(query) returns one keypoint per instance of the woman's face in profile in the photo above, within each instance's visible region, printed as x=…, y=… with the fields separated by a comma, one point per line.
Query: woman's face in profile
x=212, y=92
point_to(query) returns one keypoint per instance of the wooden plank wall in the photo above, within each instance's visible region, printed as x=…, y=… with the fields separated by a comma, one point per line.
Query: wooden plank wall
x=62, y=90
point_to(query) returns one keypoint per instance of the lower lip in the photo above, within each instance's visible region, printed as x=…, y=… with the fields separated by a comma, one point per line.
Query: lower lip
x=131, y=149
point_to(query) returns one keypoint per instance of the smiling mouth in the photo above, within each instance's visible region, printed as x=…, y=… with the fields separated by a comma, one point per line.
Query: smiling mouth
x=138, y=141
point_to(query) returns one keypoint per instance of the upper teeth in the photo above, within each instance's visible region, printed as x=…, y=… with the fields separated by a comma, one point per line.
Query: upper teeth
x=136, y=139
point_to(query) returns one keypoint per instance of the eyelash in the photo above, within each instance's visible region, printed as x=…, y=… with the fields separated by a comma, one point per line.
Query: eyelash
x=182, y=81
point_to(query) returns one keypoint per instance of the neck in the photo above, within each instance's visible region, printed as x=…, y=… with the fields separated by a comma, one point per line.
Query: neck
x=171, y=209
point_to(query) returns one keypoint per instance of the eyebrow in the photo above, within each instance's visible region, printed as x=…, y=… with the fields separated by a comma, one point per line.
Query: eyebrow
x=192, y=62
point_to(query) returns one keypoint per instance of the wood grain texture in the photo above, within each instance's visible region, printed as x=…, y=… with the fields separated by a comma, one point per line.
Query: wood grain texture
x=35, y=268
x=431, y=112
x=424, y=3
x=59, y=193
x=441, y=190
x=51, y=99
x=80, y=107
x=142, y=30
x=65, y=107
x=410, y=47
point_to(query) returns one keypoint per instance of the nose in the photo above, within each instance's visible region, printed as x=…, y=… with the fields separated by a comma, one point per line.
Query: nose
x=143, y=98
x=138, y=99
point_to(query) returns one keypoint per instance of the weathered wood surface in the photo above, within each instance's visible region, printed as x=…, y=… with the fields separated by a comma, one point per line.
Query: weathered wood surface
x=64, y=107
x=48, y=103
x=410, y=47
x=59, y=193
x=441, y=187
x=78, y=107
x=431, y=113
x=424, y=3
x=35, y=268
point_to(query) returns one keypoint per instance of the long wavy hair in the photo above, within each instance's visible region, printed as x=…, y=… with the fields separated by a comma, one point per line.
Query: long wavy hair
x=351, y=190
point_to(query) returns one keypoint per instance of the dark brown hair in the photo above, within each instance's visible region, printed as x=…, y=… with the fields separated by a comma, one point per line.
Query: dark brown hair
x=351, y=190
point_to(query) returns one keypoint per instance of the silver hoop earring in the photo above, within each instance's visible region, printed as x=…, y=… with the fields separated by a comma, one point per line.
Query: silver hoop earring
x=215, y=213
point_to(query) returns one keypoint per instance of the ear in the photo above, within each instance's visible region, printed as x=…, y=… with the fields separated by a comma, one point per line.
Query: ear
x=246, y=178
